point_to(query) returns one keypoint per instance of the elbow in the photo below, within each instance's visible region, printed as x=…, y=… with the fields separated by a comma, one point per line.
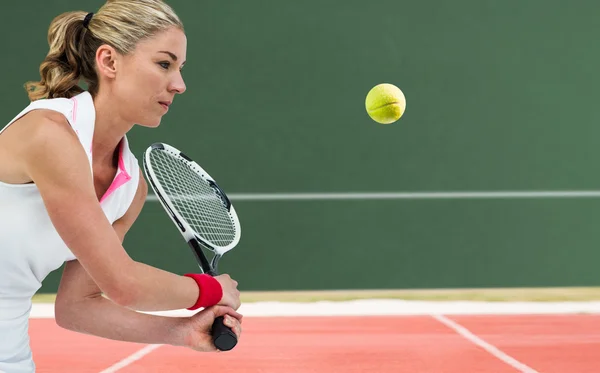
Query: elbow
x=66, y=313
x=70, y=312
x=62, y=319
x=124, y=296
x=125, y=292
x=122, y=286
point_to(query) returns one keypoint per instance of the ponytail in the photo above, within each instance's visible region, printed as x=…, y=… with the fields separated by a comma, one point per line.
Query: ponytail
x=68, y=59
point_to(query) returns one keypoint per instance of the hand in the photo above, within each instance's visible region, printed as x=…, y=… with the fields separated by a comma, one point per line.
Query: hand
x=231, y=295
x=196, y=330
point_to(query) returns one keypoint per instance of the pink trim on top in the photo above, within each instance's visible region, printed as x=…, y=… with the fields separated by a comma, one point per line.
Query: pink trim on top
x=74, y=109
x=74, y=117
x=122, y=175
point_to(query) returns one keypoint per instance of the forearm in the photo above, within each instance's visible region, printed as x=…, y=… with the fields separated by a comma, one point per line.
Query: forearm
x=159, y=290
x=103, y=318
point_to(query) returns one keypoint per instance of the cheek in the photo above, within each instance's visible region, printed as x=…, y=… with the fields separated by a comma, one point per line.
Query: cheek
x=140, y=75
x=139, y=87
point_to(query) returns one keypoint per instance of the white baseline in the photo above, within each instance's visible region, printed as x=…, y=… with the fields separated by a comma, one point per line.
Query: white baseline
x=410, y=195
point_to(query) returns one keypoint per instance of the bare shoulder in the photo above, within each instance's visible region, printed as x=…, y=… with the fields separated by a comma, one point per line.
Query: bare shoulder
x=140, y=195
x=35, y=126
x=142, y=190
x=30, y=137
x=47, y=128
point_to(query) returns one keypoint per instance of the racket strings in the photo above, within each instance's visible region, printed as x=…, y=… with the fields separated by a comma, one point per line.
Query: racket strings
x=194, y=198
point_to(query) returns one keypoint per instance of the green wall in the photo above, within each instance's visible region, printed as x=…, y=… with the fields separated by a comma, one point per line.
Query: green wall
x=500, y=97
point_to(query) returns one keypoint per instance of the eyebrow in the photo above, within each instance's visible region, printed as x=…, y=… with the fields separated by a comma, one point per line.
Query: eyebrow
x=172, y=55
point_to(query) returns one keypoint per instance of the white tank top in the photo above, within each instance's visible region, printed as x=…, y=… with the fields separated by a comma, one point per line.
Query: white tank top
x=30, y=247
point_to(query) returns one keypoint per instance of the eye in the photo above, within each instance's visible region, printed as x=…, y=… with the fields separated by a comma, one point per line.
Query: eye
x=165, y=65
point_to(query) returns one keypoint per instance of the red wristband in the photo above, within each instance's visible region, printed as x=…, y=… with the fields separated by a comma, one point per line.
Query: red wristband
x=210, y=289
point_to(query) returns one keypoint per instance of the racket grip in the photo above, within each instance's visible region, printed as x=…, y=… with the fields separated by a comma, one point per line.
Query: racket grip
x=223, y=337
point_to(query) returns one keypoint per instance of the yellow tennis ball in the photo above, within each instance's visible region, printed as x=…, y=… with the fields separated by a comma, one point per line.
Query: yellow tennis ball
x=385, y=103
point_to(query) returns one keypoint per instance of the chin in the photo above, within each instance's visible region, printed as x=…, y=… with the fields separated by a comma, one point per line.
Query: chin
x=150, y=123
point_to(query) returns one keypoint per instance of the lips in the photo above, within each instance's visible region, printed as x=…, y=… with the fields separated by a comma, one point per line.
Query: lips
x=165, y=104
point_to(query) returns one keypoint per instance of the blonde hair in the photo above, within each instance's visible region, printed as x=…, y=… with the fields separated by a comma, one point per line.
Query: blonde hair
x=73, y=45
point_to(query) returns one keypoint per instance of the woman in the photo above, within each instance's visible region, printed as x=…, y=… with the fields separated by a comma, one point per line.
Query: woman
x=54, y=210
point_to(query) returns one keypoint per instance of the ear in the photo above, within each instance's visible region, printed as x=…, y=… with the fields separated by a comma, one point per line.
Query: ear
x=106, y=61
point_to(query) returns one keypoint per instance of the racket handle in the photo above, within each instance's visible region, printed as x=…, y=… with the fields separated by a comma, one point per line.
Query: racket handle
x=223, y=337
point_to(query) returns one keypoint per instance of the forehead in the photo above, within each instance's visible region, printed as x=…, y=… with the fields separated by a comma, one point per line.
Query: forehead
x=172, y=39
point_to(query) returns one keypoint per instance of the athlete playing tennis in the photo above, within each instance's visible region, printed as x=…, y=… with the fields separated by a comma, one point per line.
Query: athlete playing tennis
x=70, y=188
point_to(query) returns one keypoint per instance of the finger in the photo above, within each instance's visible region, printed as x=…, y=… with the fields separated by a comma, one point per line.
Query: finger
x=224, y=310
x=238, y=316
x=234, y=324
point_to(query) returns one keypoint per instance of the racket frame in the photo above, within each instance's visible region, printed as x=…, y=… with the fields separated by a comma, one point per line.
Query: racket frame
x=194, y=240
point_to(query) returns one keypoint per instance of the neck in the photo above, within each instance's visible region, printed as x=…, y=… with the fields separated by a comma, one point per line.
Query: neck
x=109, y=130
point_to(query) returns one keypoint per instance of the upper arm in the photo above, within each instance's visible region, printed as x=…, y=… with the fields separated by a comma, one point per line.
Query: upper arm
x=55, y=160
x=76, y=283
x=123, y=225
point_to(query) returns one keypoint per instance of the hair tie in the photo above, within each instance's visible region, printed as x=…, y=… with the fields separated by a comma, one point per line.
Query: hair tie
x=86, y=20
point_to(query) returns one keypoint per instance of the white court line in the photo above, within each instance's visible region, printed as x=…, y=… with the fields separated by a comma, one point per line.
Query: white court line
x=131, y=359
x=408, y=195
x=379, y=307
x=483, y=344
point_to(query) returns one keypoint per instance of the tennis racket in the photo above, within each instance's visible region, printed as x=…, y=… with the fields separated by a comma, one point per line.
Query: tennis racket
x=200, y=209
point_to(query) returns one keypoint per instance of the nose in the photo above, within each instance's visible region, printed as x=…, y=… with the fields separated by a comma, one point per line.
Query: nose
x=177, y=84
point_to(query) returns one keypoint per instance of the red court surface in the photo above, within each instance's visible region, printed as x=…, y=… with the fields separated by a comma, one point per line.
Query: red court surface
x=384, y=344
